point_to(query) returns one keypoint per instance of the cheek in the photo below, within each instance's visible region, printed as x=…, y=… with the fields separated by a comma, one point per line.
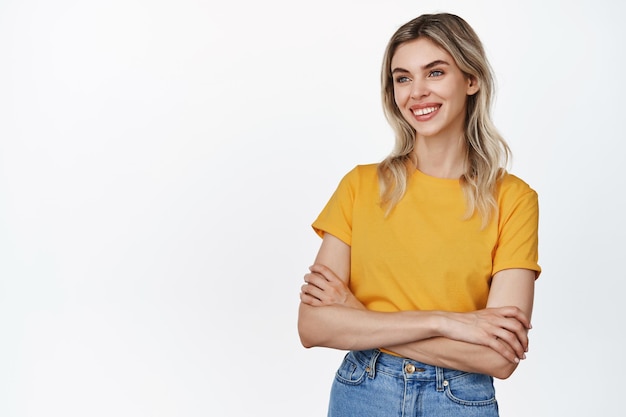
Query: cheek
x=456, y=93
x=399, y=97
x=399, y=92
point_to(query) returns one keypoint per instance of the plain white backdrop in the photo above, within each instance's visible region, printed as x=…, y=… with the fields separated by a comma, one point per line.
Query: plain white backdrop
x=161, y=163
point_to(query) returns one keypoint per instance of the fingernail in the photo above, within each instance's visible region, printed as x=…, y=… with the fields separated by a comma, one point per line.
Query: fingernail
x=516, y=360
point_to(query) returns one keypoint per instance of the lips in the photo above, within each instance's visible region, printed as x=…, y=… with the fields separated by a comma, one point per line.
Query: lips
x=423, y=111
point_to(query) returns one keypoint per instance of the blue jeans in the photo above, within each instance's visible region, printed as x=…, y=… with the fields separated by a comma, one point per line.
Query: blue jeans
x=371, y=383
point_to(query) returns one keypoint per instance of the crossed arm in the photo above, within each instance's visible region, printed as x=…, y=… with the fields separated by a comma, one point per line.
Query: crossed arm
x=490, y=341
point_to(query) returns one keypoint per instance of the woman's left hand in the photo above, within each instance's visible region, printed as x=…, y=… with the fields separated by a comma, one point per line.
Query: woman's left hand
x=323, y=288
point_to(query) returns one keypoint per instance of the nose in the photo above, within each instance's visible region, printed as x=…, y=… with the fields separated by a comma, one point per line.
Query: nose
x=419, y=88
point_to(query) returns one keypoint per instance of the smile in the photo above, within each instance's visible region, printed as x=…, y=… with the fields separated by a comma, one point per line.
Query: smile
x=425, y=110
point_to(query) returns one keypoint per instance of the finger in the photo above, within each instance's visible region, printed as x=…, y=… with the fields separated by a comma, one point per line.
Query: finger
x=516, y=330
x=504, y=349
x=518, y=314
x=513, y=342
x=312, y=290
x=317, y=281
x=310, y=300
x=518, y=343
x=324, y=296
x=510, y=324
x=323, y=271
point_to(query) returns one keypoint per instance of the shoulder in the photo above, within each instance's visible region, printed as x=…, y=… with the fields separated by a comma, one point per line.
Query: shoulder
x=364, y=173
x=513, y=186
x=515, y=195
x=365, y=170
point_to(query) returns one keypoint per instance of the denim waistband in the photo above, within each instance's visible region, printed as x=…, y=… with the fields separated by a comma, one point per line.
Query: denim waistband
x=376, y=361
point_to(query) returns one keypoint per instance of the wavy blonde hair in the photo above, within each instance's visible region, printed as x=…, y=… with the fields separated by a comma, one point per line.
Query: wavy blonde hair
x=486, y=151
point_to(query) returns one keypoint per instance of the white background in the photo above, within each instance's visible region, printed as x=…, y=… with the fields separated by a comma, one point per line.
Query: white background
x=161, y=162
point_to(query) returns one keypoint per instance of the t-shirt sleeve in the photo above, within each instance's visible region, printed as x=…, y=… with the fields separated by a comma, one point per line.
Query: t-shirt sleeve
x=336, y=217
x=518, y=230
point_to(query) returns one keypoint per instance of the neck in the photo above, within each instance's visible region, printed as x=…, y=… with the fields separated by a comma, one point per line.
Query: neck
x=442, y=159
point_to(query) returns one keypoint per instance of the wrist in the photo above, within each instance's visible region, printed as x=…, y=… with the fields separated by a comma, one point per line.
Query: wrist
x=440, y=323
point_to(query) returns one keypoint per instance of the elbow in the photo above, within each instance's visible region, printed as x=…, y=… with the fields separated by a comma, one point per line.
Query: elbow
x=305, y=338
x=494, y=365
x=316, y=329
x=504, y=370
x=309, y=337
x=307, y=344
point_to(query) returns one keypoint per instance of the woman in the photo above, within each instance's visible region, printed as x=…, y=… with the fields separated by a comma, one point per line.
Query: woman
x=428, y=260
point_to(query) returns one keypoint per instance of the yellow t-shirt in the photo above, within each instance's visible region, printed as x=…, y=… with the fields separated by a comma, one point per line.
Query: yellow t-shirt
x=424, y=256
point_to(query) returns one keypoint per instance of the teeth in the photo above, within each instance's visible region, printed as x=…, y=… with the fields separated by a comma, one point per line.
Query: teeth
x=426, y=110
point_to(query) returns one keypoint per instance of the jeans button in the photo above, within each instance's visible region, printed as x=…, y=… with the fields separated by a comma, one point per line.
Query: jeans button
x=409, y=368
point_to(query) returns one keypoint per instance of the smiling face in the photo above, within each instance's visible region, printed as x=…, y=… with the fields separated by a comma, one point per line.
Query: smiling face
x=430, y=90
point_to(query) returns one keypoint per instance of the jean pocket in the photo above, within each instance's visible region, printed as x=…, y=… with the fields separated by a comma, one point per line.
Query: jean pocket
x=471, y=389
x=351, y=371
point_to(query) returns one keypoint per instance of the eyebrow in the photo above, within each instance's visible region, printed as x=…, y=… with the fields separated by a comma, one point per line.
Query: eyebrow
x=424, y=67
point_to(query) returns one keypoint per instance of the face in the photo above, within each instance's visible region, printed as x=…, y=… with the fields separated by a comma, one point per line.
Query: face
x=430, y=90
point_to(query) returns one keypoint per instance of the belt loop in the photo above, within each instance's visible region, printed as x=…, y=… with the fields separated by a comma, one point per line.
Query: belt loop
x=440, y=378
x=371, y=371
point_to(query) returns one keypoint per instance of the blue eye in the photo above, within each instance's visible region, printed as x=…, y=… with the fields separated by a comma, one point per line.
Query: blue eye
x=435, y=73
x=402, y=79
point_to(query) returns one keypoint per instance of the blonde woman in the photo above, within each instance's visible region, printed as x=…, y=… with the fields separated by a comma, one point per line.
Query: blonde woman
x=427, y=266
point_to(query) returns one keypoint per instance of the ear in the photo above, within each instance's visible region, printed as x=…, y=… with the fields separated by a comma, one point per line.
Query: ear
x=472, y=85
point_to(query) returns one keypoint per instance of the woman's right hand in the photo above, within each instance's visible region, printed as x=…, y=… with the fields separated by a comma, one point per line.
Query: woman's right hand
x=323, y=287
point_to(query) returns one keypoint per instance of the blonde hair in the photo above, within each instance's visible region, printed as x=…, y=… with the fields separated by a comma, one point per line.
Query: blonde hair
x=486, y=151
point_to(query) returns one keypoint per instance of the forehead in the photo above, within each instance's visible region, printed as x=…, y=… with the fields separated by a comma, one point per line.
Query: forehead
x=419, y=52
